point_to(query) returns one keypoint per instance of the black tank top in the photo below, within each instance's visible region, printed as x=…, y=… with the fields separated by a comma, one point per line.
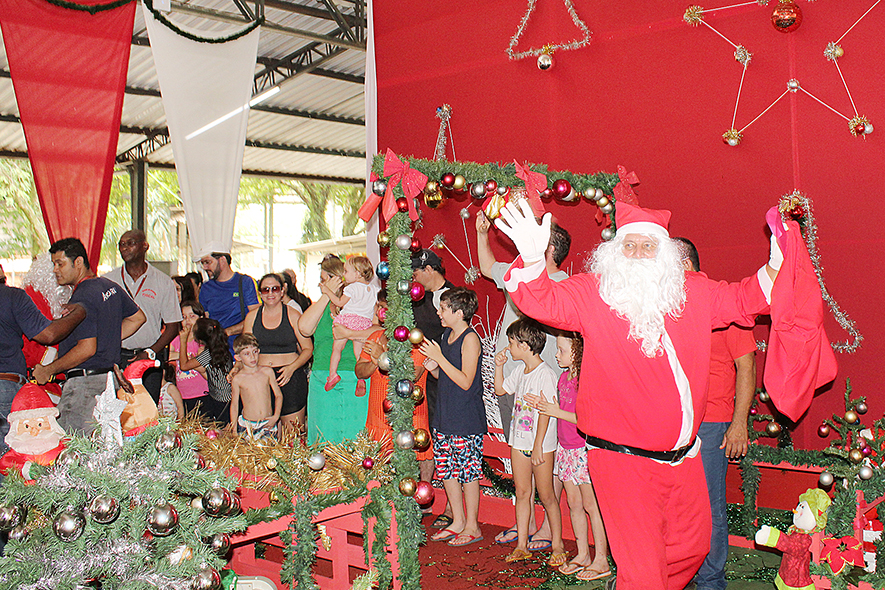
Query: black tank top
x=279, y=340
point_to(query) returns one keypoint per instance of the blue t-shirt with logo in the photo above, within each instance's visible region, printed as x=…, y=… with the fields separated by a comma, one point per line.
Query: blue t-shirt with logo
x=221, y=300
x=18, y=316
x=106, y=304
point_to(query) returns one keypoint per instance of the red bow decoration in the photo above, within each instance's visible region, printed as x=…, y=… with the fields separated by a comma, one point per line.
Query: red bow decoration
x=535, y=183
x=624, y=189
x=396, y=171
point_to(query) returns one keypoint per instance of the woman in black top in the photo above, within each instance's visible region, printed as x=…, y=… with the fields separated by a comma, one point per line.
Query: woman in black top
x=283, y=347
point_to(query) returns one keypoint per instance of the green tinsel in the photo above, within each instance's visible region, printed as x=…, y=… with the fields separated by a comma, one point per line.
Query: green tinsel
x=172, y=26
x=90, y=8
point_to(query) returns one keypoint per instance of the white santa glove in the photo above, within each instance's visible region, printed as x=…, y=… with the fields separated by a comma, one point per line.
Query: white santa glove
x=517, y=221
x=762, y=535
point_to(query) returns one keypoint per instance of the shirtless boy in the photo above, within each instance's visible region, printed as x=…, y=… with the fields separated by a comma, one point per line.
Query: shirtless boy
x=252, y=386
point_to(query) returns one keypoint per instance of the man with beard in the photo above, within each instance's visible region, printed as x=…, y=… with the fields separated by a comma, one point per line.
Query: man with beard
x=34, y=435
x=227, y=296
x=647, y=326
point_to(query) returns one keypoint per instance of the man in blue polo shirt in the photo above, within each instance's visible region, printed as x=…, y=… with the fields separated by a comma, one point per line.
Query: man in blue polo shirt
x=227, y=296
x=92, y=350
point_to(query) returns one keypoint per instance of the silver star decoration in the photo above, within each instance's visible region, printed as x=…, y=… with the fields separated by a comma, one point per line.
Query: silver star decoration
x=107, y=413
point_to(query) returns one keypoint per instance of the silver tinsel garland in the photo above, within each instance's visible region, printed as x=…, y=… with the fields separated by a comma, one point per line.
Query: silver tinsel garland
x=576, y=44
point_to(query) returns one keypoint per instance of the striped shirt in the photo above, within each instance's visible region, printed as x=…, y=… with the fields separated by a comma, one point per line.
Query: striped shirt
x=219, y=388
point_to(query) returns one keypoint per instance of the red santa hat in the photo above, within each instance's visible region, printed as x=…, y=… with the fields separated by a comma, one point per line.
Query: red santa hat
x=31, y=401
x=632, y=219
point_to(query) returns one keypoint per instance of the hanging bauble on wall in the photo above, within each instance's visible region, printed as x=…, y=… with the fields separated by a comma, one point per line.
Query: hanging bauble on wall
x=787, y=16
x=545, y=61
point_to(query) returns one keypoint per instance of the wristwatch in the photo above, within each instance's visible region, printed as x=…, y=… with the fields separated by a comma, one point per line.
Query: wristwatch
x=150, y=353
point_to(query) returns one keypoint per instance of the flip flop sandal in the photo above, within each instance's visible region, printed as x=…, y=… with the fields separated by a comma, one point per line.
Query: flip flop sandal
x=571, y=568
x=545, y=544
x=470, y=540
x=590, y=574
x=506, y=537
x=557, y=559
x=441, y=521
x=518, y=555
x=444, y=535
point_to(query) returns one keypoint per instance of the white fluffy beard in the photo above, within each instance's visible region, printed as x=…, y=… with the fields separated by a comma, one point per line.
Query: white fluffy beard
x=644, y=291
x=28, y=444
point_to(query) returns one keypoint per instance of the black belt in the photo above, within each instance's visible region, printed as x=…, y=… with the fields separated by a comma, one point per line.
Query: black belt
x=86, y=372
x=666, y=456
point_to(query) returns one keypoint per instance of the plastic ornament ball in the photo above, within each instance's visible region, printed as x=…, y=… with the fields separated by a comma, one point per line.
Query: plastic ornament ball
x=403, y=286
x=405, y=439
x=316, y=461
x=384, y=239
x=402, y=204
x=211, y=434
x=368, y=463
x=607, y=209
x=434, y=200
x=753, y=411
x=69, y=525
x=383, y=270
x=401, y=333
x=491, y=186
x=162, y=520
x=773, y=428
x=825, y=479
x=382, y=314
x=422, y=439
x=763, y=396
x=431, y=187
x=868, y=128
x=547, y=193
x=167, y=441
x=502, y=190
x=608, y=234
x=867, y=451
x=851, y=417
x=235, y=505
x=561, y=188
x=823, y=430
x=865, y=472
x=387, y=405
x=861, y=408
x=459, y=183
x=407, y=486
x=384, y=362
x=855, y=455
x=404, y=388
x=19, y=533
x=465, y=213
x=478, y=190
x=602, y=202
x=447, y=180
x=206, y=579
x=67, y=458
x=219, y=543
x=379, y=187
x=787, y=16
x=545, y=62
x=423, y=493
x=216, y=501
x=416, y=336
x=416, y=293
x=416, y=246
x=12, y=516
x=417, y=394
x=104, y=509
x=859, y=128
x=403, y=241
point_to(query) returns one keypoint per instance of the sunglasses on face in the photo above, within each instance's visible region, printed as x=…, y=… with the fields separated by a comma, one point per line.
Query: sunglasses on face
x=274, y=289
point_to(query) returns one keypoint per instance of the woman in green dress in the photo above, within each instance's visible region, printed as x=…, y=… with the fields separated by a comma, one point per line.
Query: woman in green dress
x=338, y=414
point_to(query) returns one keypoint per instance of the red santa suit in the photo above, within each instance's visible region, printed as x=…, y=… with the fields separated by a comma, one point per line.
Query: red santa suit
x=656, y=513
x=33, y=404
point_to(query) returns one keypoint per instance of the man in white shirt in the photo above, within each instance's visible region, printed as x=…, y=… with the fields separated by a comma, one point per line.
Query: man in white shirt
x=154, y=292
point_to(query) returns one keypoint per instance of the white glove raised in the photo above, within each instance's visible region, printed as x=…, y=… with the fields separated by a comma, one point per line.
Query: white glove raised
x=762, y=534
x=517, y=221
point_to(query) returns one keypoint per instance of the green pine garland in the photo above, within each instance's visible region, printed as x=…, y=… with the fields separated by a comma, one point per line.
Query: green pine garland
x=175, y=28
x=90, y=8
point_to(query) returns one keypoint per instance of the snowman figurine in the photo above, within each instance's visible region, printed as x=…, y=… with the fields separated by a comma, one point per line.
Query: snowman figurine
x=809, y=517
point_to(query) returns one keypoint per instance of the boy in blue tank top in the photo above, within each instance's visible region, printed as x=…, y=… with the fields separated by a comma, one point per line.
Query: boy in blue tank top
x=459, y=422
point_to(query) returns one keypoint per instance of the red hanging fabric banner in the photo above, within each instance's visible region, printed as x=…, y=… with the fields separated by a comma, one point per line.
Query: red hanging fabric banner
x=69, y=73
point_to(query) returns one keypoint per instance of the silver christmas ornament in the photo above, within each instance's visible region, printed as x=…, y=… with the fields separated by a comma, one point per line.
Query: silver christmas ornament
x=384, y=362
x=403, y=241
x=68, y=525
x=67, y=458
x=405, y=439
x=316, y=461
x=207, y=579
x=826, y=479
x=219, y=543
x=545, y=62
x=162, y=520
x=18, y=533
x=607, y=209
x=403, y=287
x=12, y=516
x=379, y=187
x=216, y=501
x=861, y=408
x=104, y=509
x=502, y=190
x=465, y=213
x=608, y=234
x=865, y=473
x=167, y=441
x=868, y=128
x=478, y=190
x=599, y=194
x=763, y=396
x=234, y=507
x=404, y=388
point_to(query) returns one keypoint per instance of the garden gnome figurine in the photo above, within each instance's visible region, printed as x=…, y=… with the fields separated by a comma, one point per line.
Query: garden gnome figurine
x=808, y=517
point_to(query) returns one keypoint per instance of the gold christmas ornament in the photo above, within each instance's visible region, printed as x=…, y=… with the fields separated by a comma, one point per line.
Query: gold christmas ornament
x=416, y=336
x=407, y=486
x=384, y=239
x=773, y=428
x=417, y=395
x=693, y=15
x=460, y=183
x=855, y=456
x=732, y=137
x=851, y=416
x=422, y=439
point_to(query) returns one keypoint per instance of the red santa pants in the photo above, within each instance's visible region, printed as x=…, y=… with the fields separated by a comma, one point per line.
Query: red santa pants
x=657, y=518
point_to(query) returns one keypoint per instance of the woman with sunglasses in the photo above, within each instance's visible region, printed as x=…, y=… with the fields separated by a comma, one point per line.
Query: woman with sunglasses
x=282, y=347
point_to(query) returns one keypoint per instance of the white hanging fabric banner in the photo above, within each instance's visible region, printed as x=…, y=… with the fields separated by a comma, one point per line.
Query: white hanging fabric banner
x=206, y=89
x=373, y=250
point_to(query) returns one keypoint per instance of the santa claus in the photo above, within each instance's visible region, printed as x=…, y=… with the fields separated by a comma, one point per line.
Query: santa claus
x=34, y=435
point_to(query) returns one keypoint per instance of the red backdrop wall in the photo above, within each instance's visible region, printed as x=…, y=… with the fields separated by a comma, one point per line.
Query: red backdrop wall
x=655, y=94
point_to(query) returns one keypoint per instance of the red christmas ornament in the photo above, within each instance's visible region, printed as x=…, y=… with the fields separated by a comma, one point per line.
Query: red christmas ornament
x=387, y=405
x=787, y=16
x=447, y=180
x=416, y=245
x=547, y=193
x=561, y=188
x=211, y=434
x=423, y=493
x=753, y=411
x=368, y=463
x=859, y=129
x=491, y=186
x=401, y=333
x=416, y=292
x=823, y=430
x=402, y=204
x=382, y=313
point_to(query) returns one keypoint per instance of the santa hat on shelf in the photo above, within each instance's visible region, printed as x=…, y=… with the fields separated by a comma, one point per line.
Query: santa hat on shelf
x=631, y=219
x=31, y=401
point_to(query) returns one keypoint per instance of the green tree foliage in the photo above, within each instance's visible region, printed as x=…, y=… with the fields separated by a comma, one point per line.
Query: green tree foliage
x=22, y=231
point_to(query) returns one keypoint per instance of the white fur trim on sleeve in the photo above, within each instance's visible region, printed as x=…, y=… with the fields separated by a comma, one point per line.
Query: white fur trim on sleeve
x=523, y=275
x=765, y=283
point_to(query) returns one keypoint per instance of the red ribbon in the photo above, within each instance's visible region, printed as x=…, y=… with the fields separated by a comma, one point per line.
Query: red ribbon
x=535, y=183
x=396, y=171
x=623, y=191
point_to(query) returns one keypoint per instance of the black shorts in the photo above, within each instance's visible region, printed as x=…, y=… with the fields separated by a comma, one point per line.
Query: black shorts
x=294, y=392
